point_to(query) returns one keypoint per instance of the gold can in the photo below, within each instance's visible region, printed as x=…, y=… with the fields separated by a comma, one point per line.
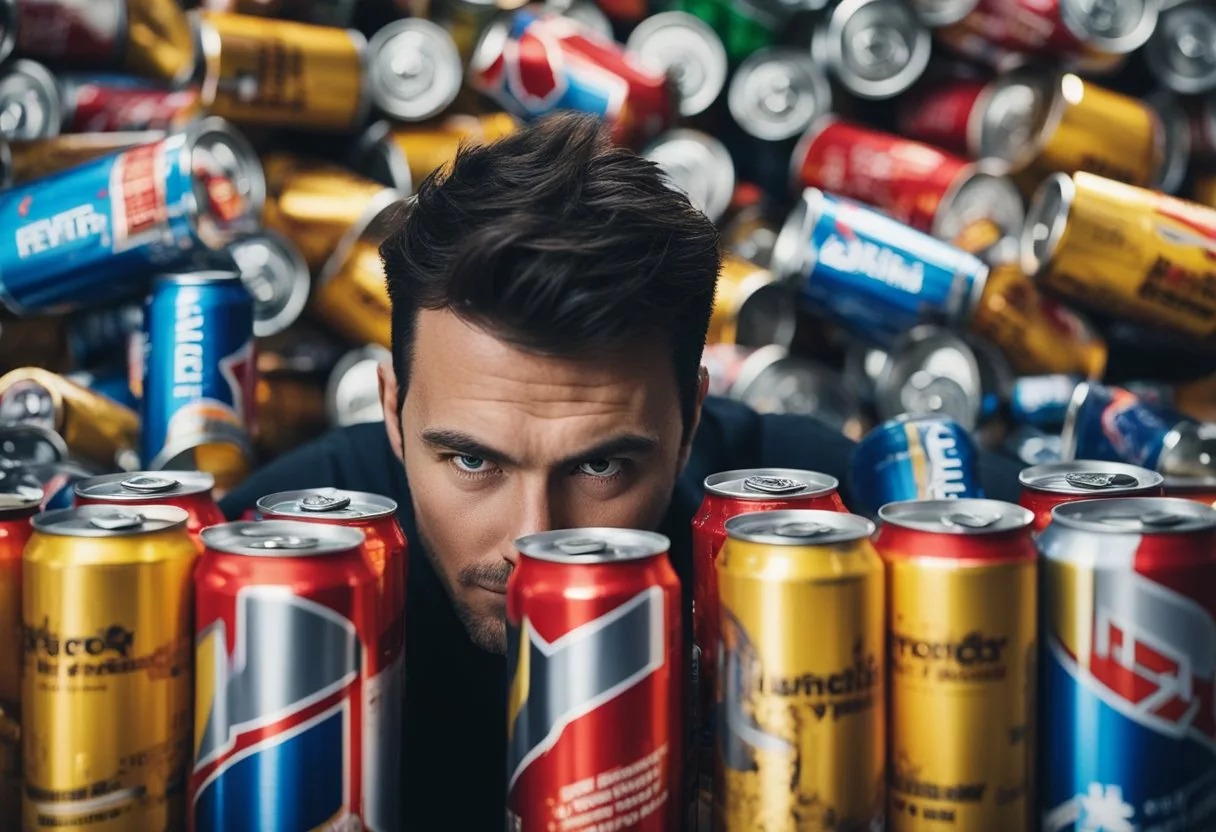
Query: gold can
x=402, y=156
x=160, y=40
x=280, y=73
x=1205, y=190
x=1130, y=252
x=107, y=690
x=94, y=427
x=801, y=719
x=36, y=158
x=961, y=607
x=751, y=308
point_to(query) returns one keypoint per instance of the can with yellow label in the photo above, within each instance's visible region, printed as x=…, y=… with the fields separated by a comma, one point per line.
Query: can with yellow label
x=402, y=156
x=107, y=681
x=751, y=307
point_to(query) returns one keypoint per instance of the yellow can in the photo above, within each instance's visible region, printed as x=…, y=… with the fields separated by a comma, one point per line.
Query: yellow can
x=402, y=156
x=751, y=308
x=1205, y=190
x=159, y=40
x=108, y=685
x=1127, y=251
x=800, y=722
x=961, y=607
x=280, y=73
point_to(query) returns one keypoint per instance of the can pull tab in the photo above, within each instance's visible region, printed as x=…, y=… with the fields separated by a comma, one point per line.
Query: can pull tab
x=772, y=485
x=116, y=520
x=283, y=541
x=323, y=502
x=20, y=496
x=970, y=520
x=1099, y=480
x=1158, y=519
x=582, y=546
x=148, y=483
x=802, y=529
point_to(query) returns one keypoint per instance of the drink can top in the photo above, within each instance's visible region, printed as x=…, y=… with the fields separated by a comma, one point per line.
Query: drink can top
x=1086, y=476
x=961, y=517
x=1112, y=26
x=29, y=100
x=110, y=521
x=1181, y=52
x=698, y=166
x=679, y=44
x=798, y=527
x=1046, y=220
x=1139, y=515
x=26, y=443
x=327, y=502
x=230, y=185
x=275, y=273
x=770, y=484
x=592, y=545
x=778, y=93
x=18, y=499
x=145, y=485
x=281, y=538
x=877, y=48
x=413, y=68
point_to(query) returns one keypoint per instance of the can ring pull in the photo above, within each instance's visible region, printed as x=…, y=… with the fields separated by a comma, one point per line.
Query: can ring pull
x=800, y=529
x=283, y=541
x=582, y=546
x=1098, y=480
x=148, y=483
x=323, y=502
x=1158, y=519
x=970, y=520
x=773, y=485
x=116, y=520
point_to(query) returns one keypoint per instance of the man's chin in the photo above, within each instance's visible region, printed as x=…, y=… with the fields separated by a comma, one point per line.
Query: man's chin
x=488, y=632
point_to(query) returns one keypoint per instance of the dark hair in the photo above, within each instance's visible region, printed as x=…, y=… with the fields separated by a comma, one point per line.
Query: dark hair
x=558, y=242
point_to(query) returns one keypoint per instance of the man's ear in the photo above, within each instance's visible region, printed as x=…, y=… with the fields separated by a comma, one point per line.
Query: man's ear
x=702, y=392
x=391, y=403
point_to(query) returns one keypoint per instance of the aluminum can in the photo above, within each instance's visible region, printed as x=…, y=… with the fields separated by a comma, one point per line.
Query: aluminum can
x=996, y=28
x=101, y=103
x=932, y=371
x=938, y=13
x=698, y=166
x=932, y=191
x=802, y=720
x=1201, y=123
x=17, y=505
x=1046, y=486
x=751, y=307
x=116, y=660
x=1042, y=401
x=946, y=112
x=962, y=601
x=1180, y=52
x=283, y=74
x=352, y=394
x=745, y=27
x=93, y=427
x=93, y=232
x=25, y=160
x=1133, y=253
x=200, y=373
x=402, y=156
x=876, y=49
x=296, y=718
x=915, y=458
x=750, y=227
x=320, y=12
x=29, y=95
x=533, y=63
x=276, y=276
x=873, y=275
x=191, y=491
x=608, y=742
x=1128, y=629
x=421, y=86
x=684, y=46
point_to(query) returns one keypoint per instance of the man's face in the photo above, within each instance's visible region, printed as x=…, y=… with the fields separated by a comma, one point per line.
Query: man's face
x=499, y=442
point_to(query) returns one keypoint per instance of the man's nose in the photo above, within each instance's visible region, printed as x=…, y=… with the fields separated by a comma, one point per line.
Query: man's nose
x=534, y=513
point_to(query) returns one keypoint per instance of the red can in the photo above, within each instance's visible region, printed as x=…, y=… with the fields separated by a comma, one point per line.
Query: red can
x=112, y=103
x=948, y=114
x=16, y=509
x=1046, y=486
x=996, y=29
x=595, y=668
x=1199, y=489
x=933, y=191
x=297, y=718
x=189, y=490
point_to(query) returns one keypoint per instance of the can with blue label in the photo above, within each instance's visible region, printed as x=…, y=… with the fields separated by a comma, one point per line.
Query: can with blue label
x=914, y=458
x=874, y=276
x=1042, y=401
x=97, y=231
x=200, y=373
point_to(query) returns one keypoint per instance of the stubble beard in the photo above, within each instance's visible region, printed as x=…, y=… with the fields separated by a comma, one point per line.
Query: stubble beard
x=487, y=632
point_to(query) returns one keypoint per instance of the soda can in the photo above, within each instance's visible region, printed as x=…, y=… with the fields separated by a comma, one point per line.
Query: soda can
x=1046, y=486
x=1042, y=401
x=749, y=229
x=27, y=159
x=295, y=714
x=151, y=38
x=200, y=372
x=947, y=110
x=607, y=740
x=1133, y=253
x=686, y=48
x=1180, y=53
x=533, y=63
x=1183, y=138
x=876, y=49
x=102, y=103
x=92, y=426
x=95, y=231
x=751, y=307
x=319, y=12
x=962, y=601
x=414, y=71
x=914, y=458
x=932, y=371
x=916, y=184
x=18, y=503
x=802, y=720
x=96, y=336
x=29, y=96
x=698, y=166
x=873, y=275
x=352, y=394
x=190, y=491
x=584, y=12
x=107, y=634
x=937, y=13
x=402, y=156
x=1199, y=489
x=276, y=276
x=1127, y=662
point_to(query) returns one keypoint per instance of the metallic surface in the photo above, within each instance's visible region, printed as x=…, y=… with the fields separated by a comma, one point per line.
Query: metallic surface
x=932, y=371
x=275, y=274
x=30, y=99
x=187, y=490
x=778, y=93
x=1046, y=486
x=100, y=103
x=683, y=46
x=414, y=71
x=697, y=165
x=914, y=458
x=875, y=48
x=995, y=29
x=402, y=156
x=36, y=158
x=1182, y=50
x=17, y=505
x=750, y=307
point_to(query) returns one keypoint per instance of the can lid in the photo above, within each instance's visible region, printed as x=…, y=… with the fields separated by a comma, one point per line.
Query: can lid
x=982, y=193
x=798, y=527
x=22, y=443
x=414, y=69
x=877, y=48
x=688, y=51
x=937, y=13
x=1087, y=476
x=592, y=545
x=698, y=166
x=275, y=273
x=229, y=184
x=1181, y=52
x=1014, y=117
x=110, y=521
x=18, y=499
x=145, y=485
x=778, y=93
x=26, y=399
x=1143, y=515
x=1117, y=26
x=377, y=156
x=327, y=502
x=1045, y=222
x=931, y=371
x=793, y=254
x=281, y=538
x=29, y=101
x=352, y=395
x=770, y=484
x=584, y=12
x=961, y=517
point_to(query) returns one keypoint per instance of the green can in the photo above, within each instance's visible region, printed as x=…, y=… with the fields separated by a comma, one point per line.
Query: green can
x=745, y=26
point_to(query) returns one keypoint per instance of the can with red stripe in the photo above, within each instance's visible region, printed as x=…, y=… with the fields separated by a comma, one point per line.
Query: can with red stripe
x=1046, y=486
x=188, y=490
x=947, y=114
x=17, y=506
x=102, y=103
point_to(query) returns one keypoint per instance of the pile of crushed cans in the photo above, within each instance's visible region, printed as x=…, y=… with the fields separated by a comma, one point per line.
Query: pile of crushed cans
x=954, y=207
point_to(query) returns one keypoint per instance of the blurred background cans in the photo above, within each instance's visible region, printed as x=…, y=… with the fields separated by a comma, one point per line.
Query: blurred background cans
x=414, y=70
x=190, y=491
x=17, y=505
x=101, y=103
x=875, y=49
x=401, y=156
x=1128, y=662
x=689, y=52
x=751, y=307
x=697, y=165
x=914, y=458
x=29, y=95
x=275, y=274
x=1180, y=52
x=1046, y=486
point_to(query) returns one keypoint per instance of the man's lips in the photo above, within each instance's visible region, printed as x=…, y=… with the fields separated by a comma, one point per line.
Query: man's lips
x=499, y=589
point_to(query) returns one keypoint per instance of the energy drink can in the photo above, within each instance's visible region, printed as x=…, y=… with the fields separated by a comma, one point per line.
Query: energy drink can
x=101, y=103
x=1046, y=486
x=94, y=231
x=120, y=658
x=1181, y=53
x=606, y=740
x=352, y=394
x=686, y=48
x=962, y=601
x=200, y=373
x=273, y=270
x=17, y=505
x=293, y=706
x=1129, y=624
x=188, y=490
x=876, y=49
x=698, y=166
x=30, y=100
x=1130, y=252
x=801, y=720
x=915, y=458
x=414, y=70
x=26, y=160
x=402, y=156
x=751, y=307
x=1042, y=401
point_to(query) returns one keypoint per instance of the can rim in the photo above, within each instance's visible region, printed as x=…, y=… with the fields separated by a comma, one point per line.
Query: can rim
x=1073, y=18
x=736, y=97
x=793, y=257
x=615, y=545
x=943, y=12
x=301, y=280
x=376, y=82
x=721, y=173
x=164, y=518
x=1038, y=251
x=249, y=166
x=1156, y=46
x=1004, y=191
x=815, y=484
x=21, y=501
x=281, y=539
x=918, y=343
x=1175, y=132
x=48, y=382
x=1068, y=433
x=365, y=504
x=827, y=42
x=375, y=147
x=347, y=362
x=716, y=70
x=1143, y=515
x=802, y=527
x=970, y=517
x=1034, y=477
x=180, y=484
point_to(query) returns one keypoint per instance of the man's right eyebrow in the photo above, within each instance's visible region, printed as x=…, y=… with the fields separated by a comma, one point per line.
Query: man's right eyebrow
x=462, y=443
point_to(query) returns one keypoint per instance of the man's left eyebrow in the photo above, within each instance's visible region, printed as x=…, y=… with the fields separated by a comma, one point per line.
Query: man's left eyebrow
x=625, y=445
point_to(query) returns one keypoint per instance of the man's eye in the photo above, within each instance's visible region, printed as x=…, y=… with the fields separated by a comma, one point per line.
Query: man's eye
x=471, y=464
x=600, y=467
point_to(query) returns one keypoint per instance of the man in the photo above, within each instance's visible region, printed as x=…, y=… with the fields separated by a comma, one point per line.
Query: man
x=550, y=301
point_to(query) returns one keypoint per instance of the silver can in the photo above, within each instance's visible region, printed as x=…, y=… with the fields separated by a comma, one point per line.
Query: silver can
x=585, y=13
x=943, y=12
x=931, y=371
x=1111, y=26
x=875, y=48
x=1182, y=50
x=778, y=94
x=30, y=105
x=414, y=69
x=275, y=273
x=1176, y=147
x=352, y=395
x=698, y=165
x=688, y=51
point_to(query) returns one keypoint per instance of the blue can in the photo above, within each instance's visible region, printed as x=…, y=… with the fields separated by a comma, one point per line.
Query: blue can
x=874, y=276
x=1113, y=424
x=914, y=458
x=96, y=232
x=200, y=373
x=1042, y=401
x=111, y=382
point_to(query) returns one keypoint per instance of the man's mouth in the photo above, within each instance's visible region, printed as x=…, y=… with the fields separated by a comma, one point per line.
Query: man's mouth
x=497, y=589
